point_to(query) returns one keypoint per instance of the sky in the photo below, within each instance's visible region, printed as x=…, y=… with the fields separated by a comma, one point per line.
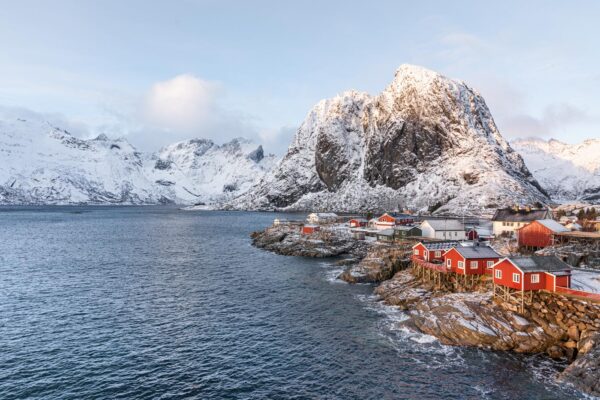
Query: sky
x=161, y=71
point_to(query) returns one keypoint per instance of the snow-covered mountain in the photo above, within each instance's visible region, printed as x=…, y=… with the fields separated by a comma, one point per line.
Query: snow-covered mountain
x=425, y=142
x=566, y=171
x=42, y=164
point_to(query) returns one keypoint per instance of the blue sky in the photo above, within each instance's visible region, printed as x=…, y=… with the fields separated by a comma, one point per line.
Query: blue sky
x=162, y=71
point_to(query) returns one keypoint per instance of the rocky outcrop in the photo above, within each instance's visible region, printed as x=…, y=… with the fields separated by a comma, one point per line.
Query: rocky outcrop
x=426, y=142
x=380, y=264
x=287, y=240
x=584, y=372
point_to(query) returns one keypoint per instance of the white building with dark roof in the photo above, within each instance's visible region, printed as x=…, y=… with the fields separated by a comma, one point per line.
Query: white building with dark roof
x=443, y=229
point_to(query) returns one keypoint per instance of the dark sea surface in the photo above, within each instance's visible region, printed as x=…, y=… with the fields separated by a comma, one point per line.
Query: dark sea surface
x=158, y=303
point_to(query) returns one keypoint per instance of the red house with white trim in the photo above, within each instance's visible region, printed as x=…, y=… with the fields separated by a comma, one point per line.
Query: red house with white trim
x=357, y=223
x=532, y=273
x=389, y=220
x=471, y=260
x=539, y=233
x=310, y=229
x=432, y=251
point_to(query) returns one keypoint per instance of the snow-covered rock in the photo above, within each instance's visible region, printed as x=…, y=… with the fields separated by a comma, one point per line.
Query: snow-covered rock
x=43, y=164
x=566, y=171
x=425, y=142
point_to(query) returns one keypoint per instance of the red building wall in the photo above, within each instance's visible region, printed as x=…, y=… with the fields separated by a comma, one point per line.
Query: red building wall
x=507, y=269
x=454, y=256
x=419, y=251
x=307, y=230
x=356, y=223
x=563, y=281
x=534, y=235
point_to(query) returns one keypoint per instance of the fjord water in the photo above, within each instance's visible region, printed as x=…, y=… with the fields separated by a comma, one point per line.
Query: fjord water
x=154, y=302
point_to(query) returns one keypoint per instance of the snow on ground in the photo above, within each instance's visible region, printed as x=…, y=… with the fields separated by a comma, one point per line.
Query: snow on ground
x=586, y=280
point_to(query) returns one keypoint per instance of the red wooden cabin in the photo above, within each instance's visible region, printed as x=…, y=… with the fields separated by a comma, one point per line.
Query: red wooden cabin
x=532, y=273
x=432, y=251
x=358, y=222
x=471, y=260
x=389, y=220
x=310, y=229
x=539, y=233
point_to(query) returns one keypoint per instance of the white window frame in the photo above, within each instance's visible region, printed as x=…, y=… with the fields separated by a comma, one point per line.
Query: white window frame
x=449, y=263
x=498, y=274
x=473, y=264
x=535, y=278
x=490, y=264
x=438, y=254
x=461, y=265
x=416, y=252
x=516, y=277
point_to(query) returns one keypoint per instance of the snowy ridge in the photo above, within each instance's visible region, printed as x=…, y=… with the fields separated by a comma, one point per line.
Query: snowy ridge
x=566, y=171
x=426, y=142
x=43, y=164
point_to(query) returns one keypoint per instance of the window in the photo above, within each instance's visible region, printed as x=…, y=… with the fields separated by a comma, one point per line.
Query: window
x=535, y=278
x=474, y=264
x=516, y=278
x=490, y=264
x=455, y=233
x=444, y=234
x=498, y=274
x=461, y=265
x=449, y=263
x=416, y=252
x=503, y=223
x=438, y=254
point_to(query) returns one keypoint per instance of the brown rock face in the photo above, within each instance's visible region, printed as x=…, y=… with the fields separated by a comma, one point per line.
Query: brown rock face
x=584, y=372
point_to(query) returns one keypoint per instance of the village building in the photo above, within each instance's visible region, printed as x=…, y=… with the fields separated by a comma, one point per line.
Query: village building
x=573, y=226
x=507, y=220
x=386, y=235
x=539, y=234
x=358, y=222
x=322, y=218
x=405, y=231
x=481, y=234
x=532, y=273
x=390, y=220
x=444, y=229
x=310, y=229
x=471, y=260
x=283, y=221
x=372, y=224
x=432, y=251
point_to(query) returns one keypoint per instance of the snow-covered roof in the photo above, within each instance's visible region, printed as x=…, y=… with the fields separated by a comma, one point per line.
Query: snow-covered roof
x=386, y=232
x=521, y=215
x=445, y=224
x=540, y=263
x=552, y=225
x=477, y=252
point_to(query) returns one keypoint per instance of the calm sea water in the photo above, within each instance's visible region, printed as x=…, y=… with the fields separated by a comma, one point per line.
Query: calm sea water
x=153, y=302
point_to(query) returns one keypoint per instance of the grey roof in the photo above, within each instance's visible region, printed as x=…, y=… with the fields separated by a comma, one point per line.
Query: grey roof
x=358, y=219
x=552, y=225
x=405, y=227
x=540, y=263
x=386, y=232
x=477, y=252
x=445, y=224
x=522, y=215
x=400, y=215
x=440, y=245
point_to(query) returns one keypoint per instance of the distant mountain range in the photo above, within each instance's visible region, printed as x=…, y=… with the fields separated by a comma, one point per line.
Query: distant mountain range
x=566, y=171
x=43, y=164
x=426, y=142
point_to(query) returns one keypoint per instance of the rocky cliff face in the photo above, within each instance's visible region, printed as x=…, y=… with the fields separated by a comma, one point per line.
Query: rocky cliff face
x=425, y=142
x=566, y=171
x=43, y=164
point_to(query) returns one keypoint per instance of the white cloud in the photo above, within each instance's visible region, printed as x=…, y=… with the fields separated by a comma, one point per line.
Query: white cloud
x=184, y=103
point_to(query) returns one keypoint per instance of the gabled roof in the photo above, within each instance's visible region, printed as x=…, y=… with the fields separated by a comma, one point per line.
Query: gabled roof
x=522, y=215
x=445, y=224
x=540, y=263
x=406, y=228
x=386, y=232
x=552, y=225
x=399, y=215
x=477, y=252
x=440, y=245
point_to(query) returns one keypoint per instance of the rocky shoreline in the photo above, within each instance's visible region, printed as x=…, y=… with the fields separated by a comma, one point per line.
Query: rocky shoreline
x=563, y=328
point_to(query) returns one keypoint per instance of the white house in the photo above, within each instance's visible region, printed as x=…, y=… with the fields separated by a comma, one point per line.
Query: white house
x=508, y=220
x=322, y=218
x=448, y=229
